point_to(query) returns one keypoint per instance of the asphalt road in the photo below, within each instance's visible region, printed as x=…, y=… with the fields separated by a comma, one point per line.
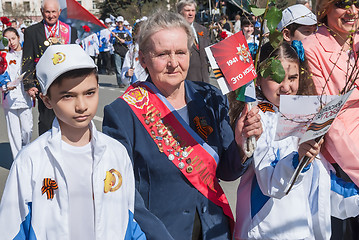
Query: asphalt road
x=108, y=93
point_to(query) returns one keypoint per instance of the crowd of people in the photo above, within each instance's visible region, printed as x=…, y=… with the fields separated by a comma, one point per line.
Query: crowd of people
x=154, y=170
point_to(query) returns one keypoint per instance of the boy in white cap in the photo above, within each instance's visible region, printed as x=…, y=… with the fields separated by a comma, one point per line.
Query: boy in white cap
x=297, y=23
x=73, y=182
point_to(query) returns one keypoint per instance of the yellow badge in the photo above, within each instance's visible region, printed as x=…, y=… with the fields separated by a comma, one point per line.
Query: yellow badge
x=59, y=57
x=111, y=179
x=137, y=97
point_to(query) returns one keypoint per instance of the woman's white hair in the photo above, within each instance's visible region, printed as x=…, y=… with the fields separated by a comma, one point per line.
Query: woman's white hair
x=163, y=19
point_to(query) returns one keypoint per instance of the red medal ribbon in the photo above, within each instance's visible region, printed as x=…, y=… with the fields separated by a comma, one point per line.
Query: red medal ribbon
x=51, y=31
x=180, y=147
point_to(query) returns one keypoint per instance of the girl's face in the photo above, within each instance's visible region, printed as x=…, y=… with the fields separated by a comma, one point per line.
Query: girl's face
x=289, y=86
x=248, y=30
x=342, y=20
x=14, y=41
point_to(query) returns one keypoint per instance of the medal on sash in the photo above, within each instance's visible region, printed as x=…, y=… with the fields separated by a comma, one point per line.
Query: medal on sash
x=177, y=143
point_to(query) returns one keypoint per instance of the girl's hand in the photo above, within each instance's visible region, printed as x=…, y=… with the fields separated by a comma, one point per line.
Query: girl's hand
x=248, y=124
x=309, y=149
x=130, y=72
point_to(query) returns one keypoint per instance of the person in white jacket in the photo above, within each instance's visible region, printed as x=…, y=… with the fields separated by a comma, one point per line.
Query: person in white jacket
x=132, y=71
x=73, y=182
x=16, y=103
x=264, y=211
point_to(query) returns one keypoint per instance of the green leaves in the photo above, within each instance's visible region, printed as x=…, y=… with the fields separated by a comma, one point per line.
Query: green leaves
x=274, y=15
x=273, y=68
x=275, y=38
x=4, y=41
x=257, y=11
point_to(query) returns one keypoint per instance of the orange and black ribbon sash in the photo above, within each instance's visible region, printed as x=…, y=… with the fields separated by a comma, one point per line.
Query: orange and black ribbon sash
x=49, y=186
x=265, y=106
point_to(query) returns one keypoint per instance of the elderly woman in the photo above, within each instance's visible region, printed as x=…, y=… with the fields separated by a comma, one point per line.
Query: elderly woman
x=332, y=54
x=178, y=136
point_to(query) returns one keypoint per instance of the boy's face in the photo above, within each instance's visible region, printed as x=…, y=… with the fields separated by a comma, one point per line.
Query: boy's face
x=300, y=33
x=74, y=102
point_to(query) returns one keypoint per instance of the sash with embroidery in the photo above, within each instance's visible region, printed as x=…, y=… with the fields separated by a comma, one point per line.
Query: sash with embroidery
x=183, y=147
x=65, y=31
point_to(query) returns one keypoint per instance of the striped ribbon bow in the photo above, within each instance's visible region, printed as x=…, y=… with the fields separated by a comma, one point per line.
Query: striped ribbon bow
x=49, y=186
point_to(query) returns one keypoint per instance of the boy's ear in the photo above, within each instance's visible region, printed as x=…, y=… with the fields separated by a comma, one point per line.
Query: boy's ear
x=286, y=35
x=46, y=100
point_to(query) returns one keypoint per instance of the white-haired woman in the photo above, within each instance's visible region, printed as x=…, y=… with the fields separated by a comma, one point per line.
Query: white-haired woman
x=178, y=136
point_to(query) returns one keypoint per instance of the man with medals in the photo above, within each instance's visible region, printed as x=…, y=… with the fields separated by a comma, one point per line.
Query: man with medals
x=178, y=136
x=36, y=40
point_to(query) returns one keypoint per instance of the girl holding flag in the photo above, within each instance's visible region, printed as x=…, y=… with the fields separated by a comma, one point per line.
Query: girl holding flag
x=264, y=211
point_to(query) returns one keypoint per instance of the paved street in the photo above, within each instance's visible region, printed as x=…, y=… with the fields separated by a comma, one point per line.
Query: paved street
x=108, y=92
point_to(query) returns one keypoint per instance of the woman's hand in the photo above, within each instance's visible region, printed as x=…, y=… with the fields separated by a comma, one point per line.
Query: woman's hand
x=309, y=149
x=247, y=125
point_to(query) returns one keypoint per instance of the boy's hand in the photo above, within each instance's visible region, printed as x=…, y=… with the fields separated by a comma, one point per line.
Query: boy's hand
x=248, y=124
x=309, y=149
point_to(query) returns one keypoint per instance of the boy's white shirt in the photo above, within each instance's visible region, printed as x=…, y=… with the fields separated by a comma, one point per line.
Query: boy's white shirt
x=302, y=214
x=49, y=217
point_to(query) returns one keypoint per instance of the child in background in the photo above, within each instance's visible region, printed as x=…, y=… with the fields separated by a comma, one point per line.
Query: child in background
x=263, y=209
x=132, y=71
x=16, y=102
x=248, y=32
x=297, y=23
x=72, y=182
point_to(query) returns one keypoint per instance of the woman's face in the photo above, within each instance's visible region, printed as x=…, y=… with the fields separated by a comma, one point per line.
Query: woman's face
x=167, y=59
x=248, y=30
x=14, y=40
x=289, y=86
x=342, y=21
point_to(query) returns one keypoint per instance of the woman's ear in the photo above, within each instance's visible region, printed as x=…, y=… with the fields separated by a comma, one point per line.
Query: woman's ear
x=286, y=35
x=46, y=100
x=141, y=58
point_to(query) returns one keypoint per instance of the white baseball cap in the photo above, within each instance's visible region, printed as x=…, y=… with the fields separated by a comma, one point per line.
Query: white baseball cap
x=126, y=23
x=59, y=59
x=299, y=14
x=119, y=19
x=108, y=20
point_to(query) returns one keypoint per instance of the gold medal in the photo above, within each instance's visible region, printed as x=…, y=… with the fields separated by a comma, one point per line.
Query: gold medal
x=55, y=40
x=46, y=43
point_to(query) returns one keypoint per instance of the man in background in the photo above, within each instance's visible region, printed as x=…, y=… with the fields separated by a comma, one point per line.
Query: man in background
x=198, y=65
x=36, y=40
